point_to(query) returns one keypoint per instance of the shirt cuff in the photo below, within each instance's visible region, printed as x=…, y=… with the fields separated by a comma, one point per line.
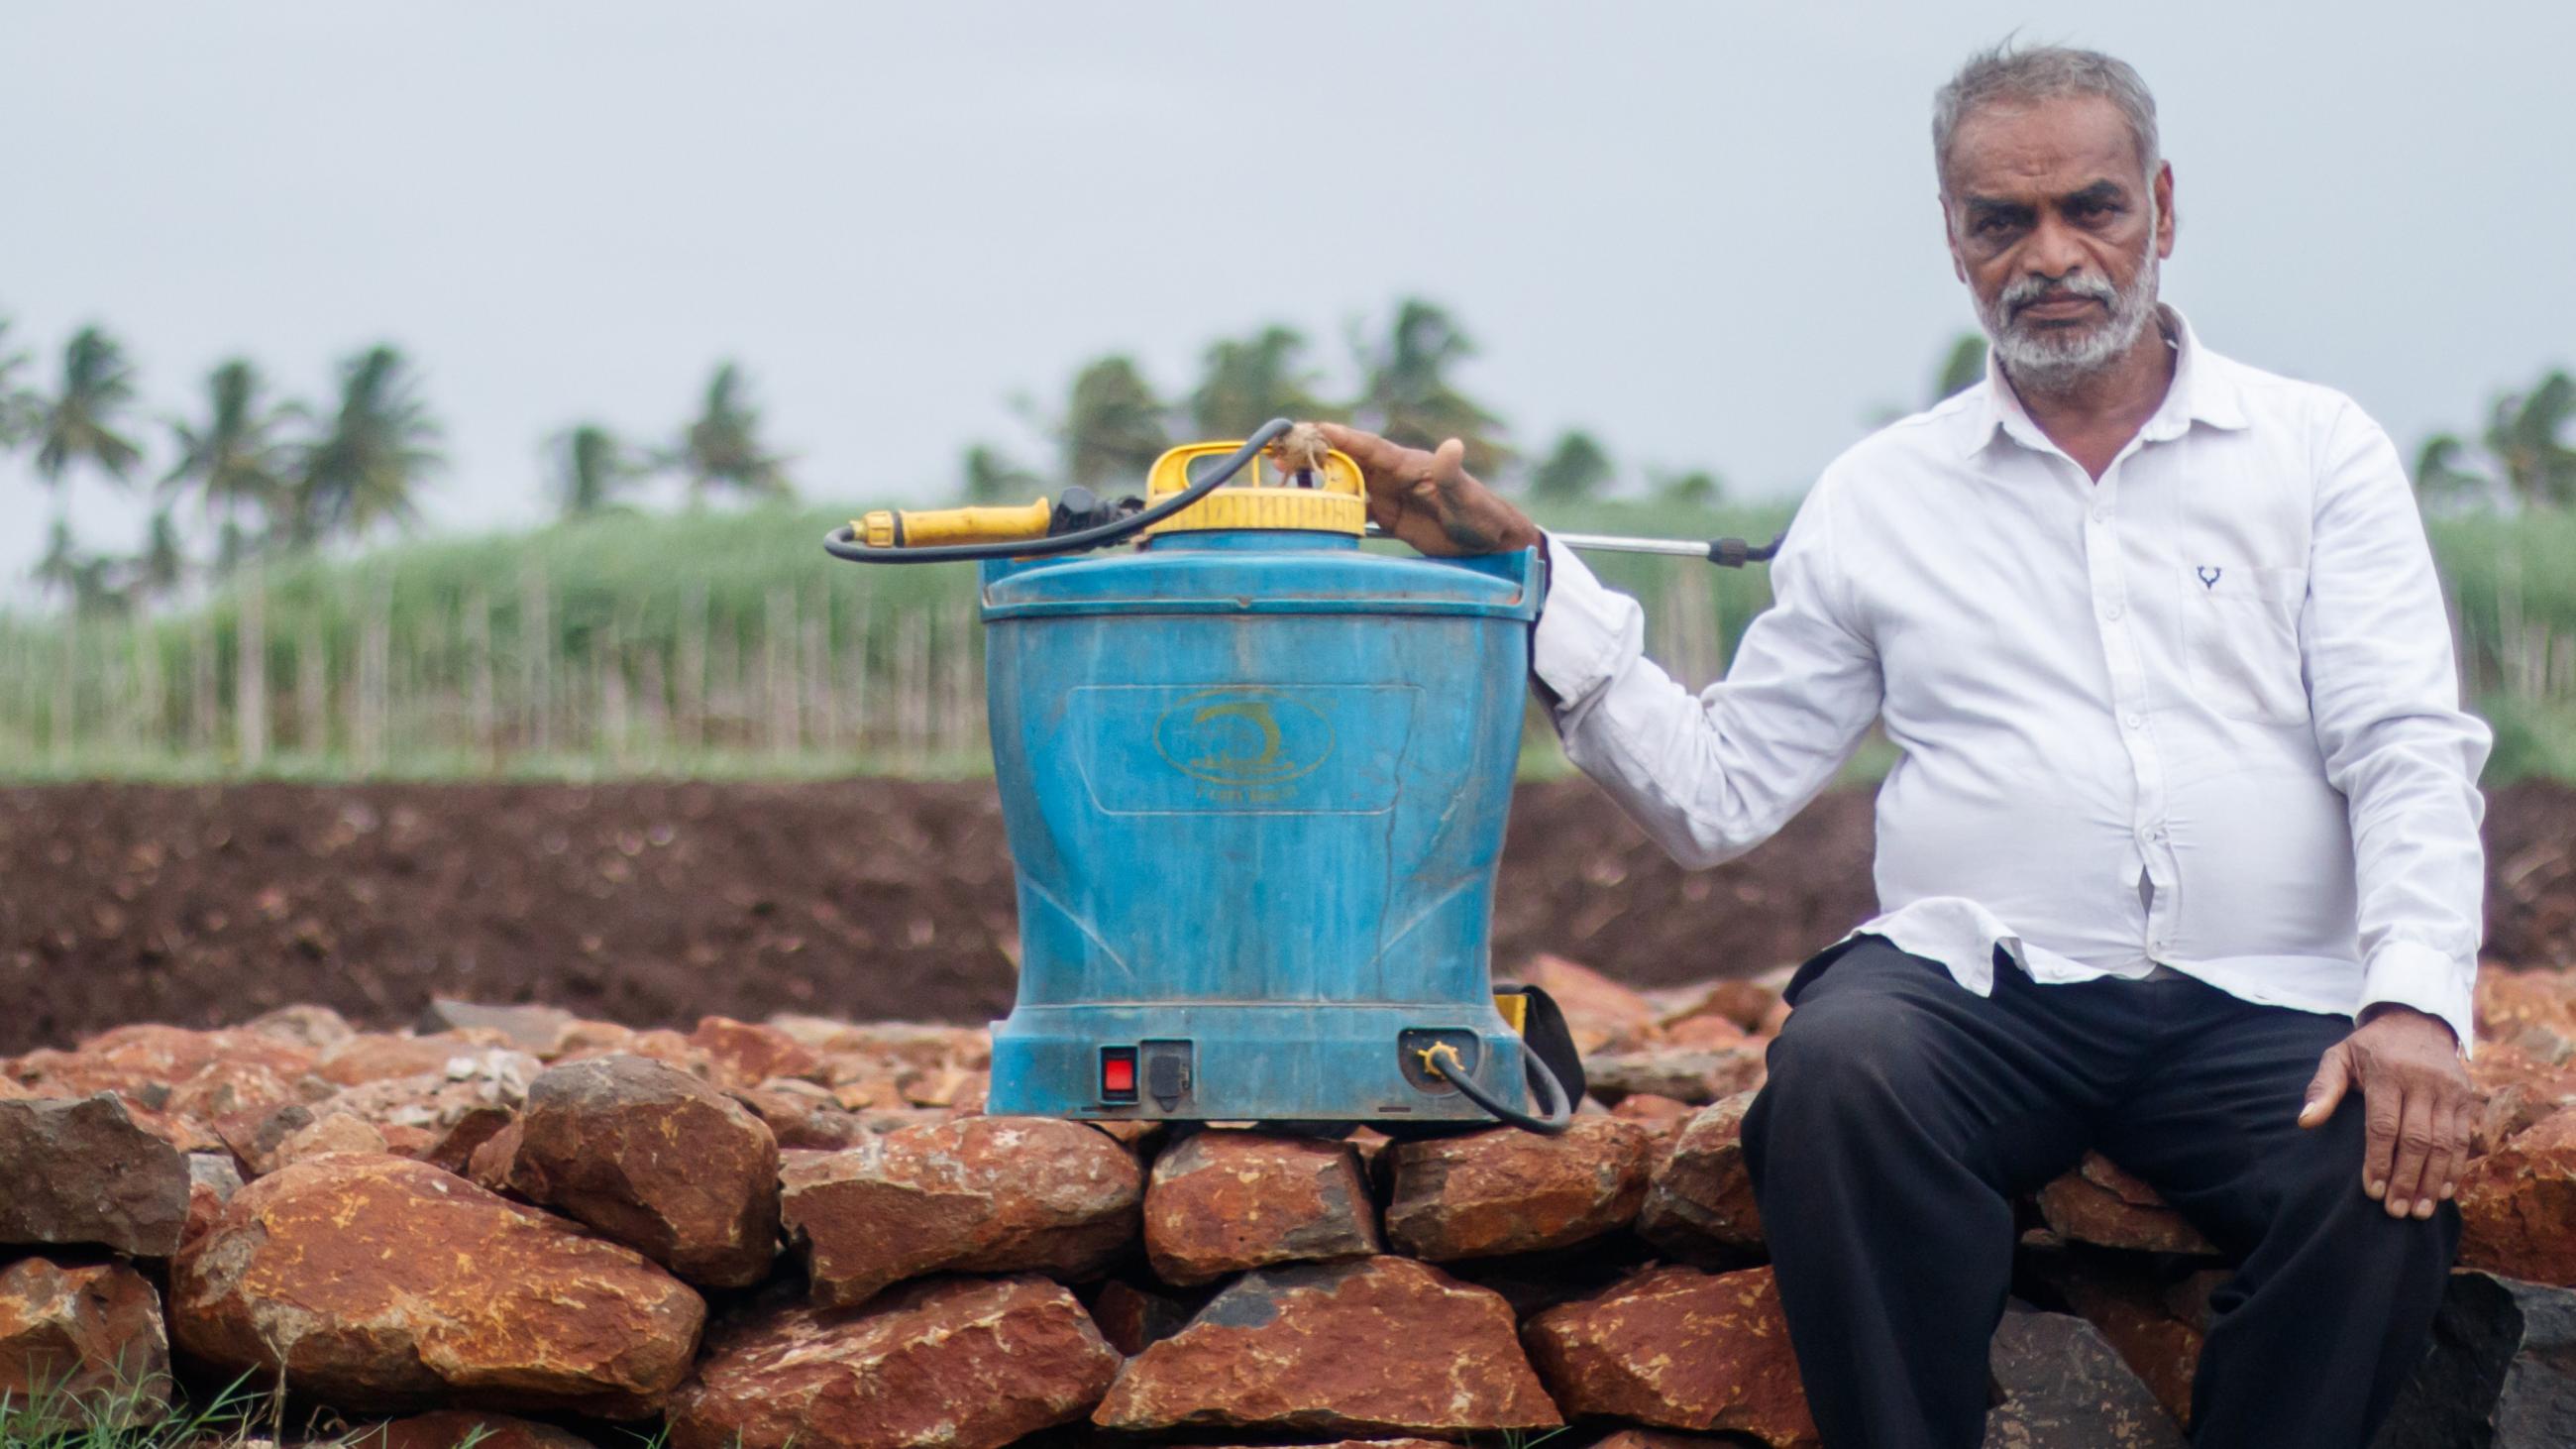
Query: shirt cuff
x=1581, y=628
x=2404, y=973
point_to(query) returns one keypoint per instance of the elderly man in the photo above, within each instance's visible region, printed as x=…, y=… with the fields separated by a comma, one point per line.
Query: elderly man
x=2179, y=859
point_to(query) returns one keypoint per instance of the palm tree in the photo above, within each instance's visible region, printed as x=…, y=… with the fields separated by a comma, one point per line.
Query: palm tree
x=87, y=580
x=992, y=477
x=2442, y=473
x=82, y=422
x=61, y=559
x=1406, y=391
x=158, y=569
x=1113, y=424
x=1574, y=470
x=723, y=448
x=2525, y=435
x=1963, y=368
x=367, y=468
x=592, y=467
x=1251, y=380
x=236, y=462
x=19, y=405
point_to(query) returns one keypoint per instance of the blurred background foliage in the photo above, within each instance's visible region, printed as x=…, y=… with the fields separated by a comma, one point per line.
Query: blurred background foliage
x=277, y=616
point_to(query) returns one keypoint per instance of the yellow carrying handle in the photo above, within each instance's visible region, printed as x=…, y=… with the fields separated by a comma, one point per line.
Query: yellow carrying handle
x=922, y=527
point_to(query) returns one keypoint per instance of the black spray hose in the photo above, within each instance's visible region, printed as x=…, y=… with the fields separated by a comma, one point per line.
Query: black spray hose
x=1558, y=1112
x=843, y=543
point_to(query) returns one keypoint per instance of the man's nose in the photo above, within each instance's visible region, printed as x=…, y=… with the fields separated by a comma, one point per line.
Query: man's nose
x=2054, y=251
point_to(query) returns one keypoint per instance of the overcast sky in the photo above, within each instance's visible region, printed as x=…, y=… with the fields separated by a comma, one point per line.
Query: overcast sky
x=1704, y=231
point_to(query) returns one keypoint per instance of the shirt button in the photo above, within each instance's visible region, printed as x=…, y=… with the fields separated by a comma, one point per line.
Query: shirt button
x=2134, y=720
x=2112, y=612
x=2101, y=513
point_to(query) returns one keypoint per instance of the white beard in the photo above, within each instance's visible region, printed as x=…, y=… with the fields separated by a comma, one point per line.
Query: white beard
x=2052, y=359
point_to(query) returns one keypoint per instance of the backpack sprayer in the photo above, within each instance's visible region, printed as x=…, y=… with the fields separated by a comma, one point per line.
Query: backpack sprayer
x=1254, y=781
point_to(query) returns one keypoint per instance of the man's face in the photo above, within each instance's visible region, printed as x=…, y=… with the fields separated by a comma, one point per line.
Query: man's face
x=2057, y=230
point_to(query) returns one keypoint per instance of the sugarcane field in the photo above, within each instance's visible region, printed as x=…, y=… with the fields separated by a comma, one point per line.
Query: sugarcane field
x=1021, y=727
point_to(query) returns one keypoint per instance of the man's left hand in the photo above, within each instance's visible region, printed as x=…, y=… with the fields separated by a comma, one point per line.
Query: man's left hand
x=2418, y=1098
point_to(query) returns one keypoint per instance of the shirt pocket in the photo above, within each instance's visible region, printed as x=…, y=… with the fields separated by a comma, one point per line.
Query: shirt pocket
x=2240, y=626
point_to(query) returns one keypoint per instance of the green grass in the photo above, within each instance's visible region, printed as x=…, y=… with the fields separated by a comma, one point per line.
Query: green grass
x=2531, y=742
x=632, y=573
x=134, y=1415
x=140, y=1416
x=527, y=632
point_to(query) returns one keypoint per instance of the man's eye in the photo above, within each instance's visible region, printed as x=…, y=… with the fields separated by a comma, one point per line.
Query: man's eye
x=1991, y=225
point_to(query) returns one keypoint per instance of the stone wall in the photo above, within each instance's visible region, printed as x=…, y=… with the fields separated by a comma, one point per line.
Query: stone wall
x=809, y=1231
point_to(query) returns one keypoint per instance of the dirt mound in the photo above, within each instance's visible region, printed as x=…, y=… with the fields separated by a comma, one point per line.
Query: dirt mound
x=1581, y=881
x=651, y=903
x=655, y=903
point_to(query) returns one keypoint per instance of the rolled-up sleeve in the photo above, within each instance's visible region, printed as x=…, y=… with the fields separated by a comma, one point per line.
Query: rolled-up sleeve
x=2383, y=692
x=1713, y=775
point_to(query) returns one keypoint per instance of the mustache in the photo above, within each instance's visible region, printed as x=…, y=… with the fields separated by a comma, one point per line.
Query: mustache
x=2026, y=291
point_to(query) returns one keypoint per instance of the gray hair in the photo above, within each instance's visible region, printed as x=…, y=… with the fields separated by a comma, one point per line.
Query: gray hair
x=2004, y=75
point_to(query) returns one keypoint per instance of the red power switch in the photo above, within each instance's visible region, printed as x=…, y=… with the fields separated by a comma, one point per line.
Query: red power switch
x=1118, y=1074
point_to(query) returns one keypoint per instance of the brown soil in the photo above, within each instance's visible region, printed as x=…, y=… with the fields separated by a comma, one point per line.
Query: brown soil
x=656, y=903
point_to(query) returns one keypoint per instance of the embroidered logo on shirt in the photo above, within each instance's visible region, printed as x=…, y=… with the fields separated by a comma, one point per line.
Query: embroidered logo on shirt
x=2208, y=577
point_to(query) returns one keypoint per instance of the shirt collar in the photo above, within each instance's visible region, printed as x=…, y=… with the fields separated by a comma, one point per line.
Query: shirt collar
x=2203, y=391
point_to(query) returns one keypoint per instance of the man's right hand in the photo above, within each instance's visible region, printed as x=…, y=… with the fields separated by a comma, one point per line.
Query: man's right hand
x=1429, y=500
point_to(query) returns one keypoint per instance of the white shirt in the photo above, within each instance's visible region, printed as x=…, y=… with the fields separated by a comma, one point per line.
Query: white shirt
x=2201, y=713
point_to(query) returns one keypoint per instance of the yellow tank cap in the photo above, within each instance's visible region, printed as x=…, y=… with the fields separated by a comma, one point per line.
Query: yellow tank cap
x=1337, y=503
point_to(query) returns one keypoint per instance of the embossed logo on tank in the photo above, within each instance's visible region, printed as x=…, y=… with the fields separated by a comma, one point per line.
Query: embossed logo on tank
x=1243, y=738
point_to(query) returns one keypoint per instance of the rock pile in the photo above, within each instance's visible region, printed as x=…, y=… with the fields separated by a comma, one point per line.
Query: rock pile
x=809, y=1231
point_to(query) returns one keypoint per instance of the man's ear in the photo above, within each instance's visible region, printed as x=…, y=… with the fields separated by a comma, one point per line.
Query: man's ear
x=1950, y=239
x=2164, y=209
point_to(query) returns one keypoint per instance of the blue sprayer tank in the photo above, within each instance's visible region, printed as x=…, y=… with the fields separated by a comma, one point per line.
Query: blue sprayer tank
x=1255, y=781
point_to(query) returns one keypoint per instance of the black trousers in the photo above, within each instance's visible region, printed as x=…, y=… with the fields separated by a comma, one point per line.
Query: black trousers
x=1904, y=1113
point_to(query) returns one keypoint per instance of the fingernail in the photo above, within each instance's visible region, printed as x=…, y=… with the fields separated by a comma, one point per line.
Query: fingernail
x=2378, y=1188
x=2423, y=1207
x=2446, y=1192
x=2397, y=1208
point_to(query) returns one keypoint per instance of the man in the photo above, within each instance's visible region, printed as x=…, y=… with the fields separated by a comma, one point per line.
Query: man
x=2179, y=859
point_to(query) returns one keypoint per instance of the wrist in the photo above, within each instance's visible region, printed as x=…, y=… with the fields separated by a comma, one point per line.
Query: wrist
x=2398, y=1010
